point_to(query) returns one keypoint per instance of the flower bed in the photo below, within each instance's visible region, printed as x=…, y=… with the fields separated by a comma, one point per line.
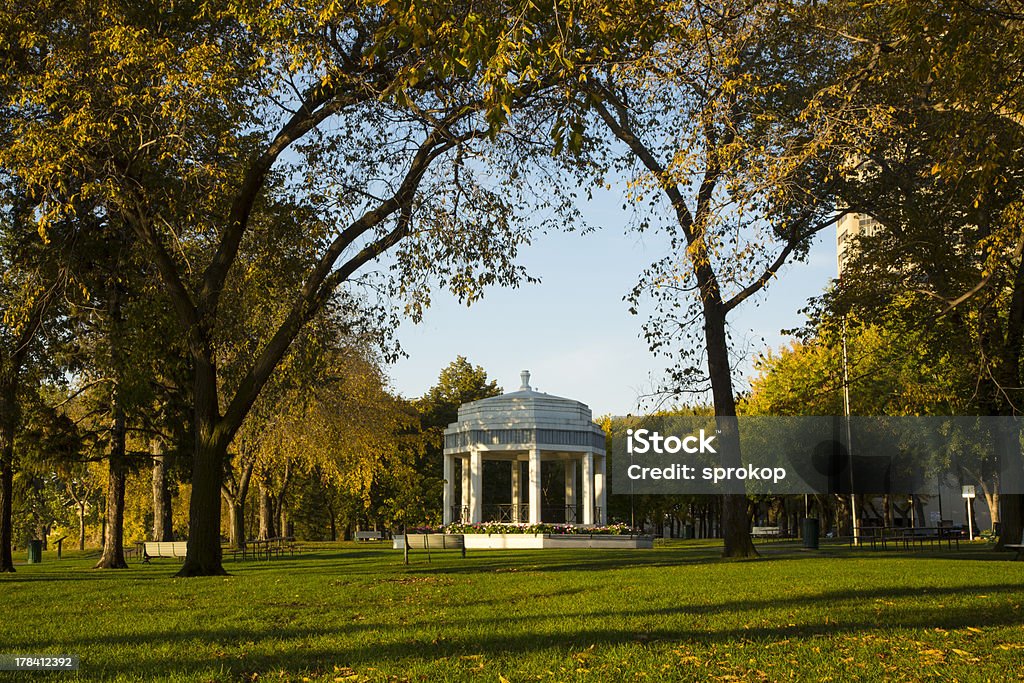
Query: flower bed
x=567, y=529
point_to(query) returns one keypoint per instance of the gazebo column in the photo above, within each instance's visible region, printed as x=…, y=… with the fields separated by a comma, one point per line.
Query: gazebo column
x=476, y=489
x=515, y=490
x=449, y=488
x=464, y=511
x=535, y=486
x=570, y=489
x=601, y=491
x=588, y=487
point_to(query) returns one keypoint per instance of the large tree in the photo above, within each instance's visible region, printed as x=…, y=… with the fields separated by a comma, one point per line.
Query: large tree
x=457, y=383
x=176, y=121
x=937, y=134
x=716, y=124
x=33, y=286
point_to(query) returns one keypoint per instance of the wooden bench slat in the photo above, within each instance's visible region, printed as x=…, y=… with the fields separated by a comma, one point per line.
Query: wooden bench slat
x=762, y=531
x=151, y=549
x=430, y=542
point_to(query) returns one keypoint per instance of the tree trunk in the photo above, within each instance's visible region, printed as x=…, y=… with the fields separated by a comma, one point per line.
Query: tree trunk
x=8, y=420
x=282, y=511
x=266, y=513
x=236, y=517
x=42, y=529
x=203, y=557
x=81, y=524
x=735, y=522
x=1010, y=507
x=113, y=546
x=1010, y=531
x=991, y=493
x=163, y=521
x=236, y=491
x=6, y=511
x=1011, y=519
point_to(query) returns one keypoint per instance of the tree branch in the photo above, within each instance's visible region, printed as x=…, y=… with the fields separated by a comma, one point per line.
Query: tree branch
x=795, y=240
x=322, y=282
x=321, y=103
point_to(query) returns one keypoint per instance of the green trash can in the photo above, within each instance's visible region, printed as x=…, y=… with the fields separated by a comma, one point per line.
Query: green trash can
x=810, y=532
x=688, y=531
x=35, y=552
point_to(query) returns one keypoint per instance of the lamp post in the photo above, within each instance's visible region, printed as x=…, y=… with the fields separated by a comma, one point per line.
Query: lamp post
x=849, y=440
x=968, y=494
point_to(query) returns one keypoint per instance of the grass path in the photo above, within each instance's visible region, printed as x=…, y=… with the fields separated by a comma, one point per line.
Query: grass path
x=342, y=612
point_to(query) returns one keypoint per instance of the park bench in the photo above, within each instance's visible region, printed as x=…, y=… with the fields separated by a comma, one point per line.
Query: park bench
x=151, y=549
x=284, y=544
x=931, y=535
x=907, y=537
x=266, y=548
x=430, y=542
x=765, y=532
x=369, y=536
x=1019, y=547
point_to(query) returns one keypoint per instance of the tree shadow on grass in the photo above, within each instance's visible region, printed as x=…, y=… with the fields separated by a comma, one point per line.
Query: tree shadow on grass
x=548, y=561
x=359, y=558
x=971, y=554
x=361, y=562
x=358, y=562
x=320, y=648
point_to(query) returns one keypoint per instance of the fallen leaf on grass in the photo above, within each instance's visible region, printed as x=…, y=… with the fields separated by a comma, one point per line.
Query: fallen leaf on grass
x=583, y=654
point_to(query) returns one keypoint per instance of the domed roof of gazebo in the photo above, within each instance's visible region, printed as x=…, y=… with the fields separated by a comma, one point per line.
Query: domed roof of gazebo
x=525, y=405
x=525, y=418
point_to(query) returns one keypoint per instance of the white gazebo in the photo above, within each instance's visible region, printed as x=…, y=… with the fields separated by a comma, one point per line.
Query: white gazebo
x=526, y=426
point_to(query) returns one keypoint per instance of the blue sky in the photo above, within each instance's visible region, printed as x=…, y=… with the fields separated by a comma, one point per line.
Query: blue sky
x=573, y=331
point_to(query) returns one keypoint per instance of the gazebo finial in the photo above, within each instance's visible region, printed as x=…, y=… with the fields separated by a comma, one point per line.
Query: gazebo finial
x=525, y=375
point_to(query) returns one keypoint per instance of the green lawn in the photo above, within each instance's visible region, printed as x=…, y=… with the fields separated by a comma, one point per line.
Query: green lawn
x=344, y=612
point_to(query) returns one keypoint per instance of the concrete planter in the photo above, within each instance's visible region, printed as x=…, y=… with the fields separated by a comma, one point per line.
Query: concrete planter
x=504, y=541
x=539, y=541
x=597, y=541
